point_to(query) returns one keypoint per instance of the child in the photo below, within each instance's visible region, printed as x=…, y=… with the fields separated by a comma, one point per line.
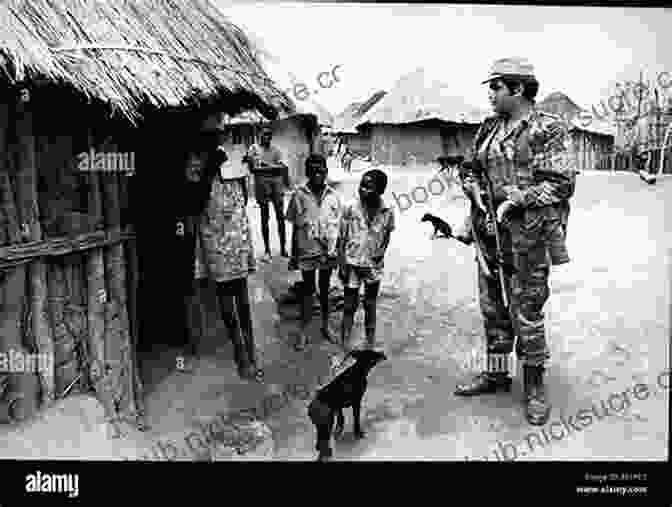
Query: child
x=366, y=227
x=314, y=211
x=224, y=252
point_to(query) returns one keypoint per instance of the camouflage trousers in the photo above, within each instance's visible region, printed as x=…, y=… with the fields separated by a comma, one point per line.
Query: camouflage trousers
x=528, y=289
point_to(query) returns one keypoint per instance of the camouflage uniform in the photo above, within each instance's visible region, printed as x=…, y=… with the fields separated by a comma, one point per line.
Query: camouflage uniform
x=530, y=165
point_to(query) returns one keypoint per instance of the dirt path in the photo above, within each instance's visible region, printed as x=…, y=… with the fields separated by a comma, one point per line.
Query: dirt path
x=608, y=328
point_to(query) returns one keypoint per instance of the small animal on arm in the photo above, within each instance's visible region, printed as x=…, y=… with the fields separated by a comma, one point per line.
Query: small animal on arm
x=440, y=226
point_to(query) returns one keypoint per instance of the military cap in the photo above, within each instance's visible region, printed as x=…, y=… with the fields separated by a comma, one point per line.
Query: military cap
x=512, y=66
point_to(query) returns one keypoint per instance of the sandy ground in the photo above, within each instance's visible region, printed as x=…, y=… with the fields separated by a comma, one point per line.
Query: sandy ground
x=608, y=327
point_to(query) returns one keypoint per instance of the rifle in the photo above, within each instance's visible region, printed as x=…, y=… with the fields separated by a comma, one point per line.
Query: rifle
x=490, y=212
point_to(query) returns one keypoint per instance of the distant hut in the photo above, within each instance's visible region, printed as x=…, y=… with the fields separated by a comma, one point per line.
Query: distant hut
x=300, y=132
x=97, y=101
x=418, y=121
x=297, y=134
x=592, y=138
x=344, y=129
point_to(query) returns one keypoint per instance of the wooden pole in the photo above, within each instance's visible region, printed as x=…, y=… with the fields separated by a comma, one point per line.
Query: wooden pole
x=118, y=337
x=20, y=398
x=132, y=277
x=96, y=299
x=26, y=180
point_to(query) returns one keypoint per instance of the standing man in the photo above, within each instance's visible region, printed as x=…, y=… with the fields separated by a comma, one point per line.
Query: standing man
x=271, y=178
x=525, y=154
x=647, y=171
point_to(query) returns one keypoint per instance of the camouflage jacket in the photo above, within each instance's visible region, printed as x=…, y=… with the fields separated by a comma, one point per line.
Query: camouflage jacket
x=531, y=165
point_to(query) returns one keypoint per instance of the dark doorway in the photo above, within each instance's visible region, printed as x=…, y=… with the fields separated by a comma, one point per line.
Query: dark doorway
x=154, y=203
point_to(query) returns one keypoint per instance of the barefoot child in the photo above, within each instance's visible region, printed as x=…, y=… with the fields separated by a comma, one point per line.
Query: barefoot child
x=314, y=211
x=366, y=226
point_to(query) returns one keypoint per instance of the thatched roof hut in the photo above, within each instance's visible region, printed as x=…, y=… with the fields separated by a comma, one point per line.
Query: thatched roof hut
x=134, y=55
x=560, y=104
x=418, y=121
x=417, y=97
x=92, y=93
x=592, y=138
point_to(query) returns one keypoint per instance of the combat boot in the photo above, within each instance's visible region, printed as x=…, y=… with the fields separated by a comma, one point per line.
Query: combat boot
x=537, y=407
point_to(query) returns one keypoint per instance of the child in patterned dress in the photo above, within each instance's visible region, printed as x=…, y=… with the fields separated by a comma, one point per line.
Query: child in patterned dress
x=225, y=253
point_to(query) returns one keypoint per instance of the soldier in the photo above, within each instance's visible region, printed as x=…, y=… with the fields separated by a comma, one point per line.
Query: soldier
x=525, y=153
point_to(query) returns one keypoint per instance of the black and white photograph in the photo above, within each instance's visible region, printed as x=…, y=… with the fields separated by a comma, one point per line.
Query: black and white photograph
x=239, y=231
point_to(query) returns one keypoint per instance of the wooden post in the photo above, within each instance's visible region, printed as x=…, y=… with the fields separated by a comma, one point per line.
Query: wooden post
x=132, y=281
x=62, y=338
x=20, y=399
x=26, y=180
x=97, y=297
x=118, y=336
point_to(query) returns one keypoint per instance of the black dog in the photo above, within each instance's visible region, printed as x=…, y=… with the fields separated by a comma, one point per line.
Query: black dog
x=439, y=225
x=346, y=390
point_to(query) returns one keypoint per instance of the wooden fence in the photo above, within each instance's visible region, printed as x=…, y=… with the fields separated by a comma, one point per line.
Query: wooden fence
x=625, y=162
x=68, y=275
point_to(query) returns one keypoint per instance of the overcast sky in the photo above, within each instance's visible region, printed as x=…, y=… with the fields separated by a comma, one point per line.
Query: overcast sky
x=581, y=51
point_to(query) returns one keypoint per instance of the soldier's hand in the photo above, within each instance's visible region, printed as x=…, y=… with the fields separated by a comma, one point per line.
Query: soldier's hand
x=546, y=194
x=469, y=188
x=503, y=209
x=489, y=227
x=344, y=273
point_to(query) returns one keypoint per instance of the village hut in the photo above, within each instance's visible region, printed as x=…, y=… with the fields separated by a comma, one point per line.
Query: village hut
x=97, y=102
x=296, y=134
x=418, y=121
x=344, y=127
x=592, y=139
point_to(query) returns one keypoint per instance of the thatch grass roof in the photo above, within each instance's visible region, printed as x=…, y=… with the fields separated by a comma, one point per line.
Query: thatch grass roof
x=417, y=97
x=162, y=53
x=286, y=79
